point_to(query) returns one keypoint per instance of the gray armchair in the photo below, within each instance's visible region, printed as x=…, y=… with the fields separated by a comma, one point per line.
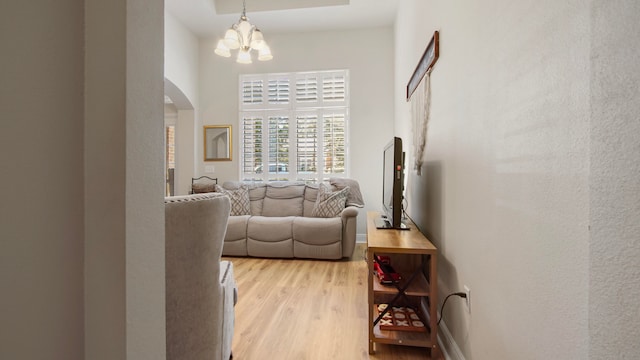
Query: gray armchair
x=200, y=288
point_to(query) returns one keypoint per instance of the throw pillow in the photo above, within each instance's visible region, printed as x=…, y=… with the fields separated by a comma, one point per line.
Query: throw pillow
x=329, y=204
x=240, y=204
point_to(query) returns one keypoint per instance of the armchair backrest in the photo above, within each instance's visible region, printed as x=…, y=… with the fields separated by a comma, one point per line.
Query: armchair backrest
x=195, y=226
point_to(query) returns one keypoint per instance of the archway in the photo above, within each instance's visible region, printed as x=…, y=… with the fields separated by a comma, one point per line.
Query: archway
x=179, y=121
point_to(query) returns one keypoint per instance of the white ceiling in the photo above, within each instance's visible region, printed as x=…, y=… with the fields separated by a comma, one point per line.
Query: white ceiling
x=210, y=18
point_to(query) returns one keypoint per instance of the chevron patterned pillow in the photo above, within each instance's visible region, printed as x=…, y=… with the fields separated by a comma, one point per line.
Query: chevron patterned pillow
x=329, y=204
x=240, y=204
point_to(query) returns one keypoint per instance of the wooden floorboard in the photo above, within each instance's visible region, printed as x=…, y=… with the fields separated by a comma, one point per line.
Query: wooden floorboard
x=306, y=309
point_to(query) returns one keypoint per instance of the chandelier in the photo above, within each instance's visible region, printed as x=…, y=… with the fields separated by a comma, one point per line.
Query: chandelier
x=244, y=37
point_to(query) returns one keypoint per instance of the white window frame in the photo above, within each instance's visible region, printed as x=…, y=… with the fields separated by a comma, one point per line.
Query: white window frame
x=260, y=107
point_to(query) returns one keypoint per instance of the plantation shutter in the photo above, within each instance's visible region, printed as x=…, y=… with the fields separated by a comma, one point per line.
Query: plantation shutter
x=334, y=142
x=307, y=143
x=307, y=89
x=252, y=149
x=279, y=90
x=334, y=88
x=278, y=146
x=294, y=125
x=252, y=92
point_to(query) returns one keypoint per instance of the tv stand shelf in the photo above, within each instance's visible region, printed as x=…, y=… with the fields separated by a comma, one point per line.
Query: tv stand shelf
x=415, y=259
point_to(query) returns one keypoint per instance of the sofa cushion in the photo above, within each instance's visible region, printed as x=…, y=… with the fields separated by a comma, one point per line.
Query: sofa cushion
x=239, y=199
x=235, y=240
x=317, y=231
x=270, y=236
x=310, y=197
x=256, y=196
x=285, y=190
x=270, y=229
x=317, y=238
x=283, y=200
x=329, y=203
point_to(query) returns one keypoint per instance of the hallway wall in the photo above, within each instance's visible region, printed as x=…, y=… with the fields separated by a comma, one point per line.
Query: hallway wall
x=614, y=266
x=504, y=191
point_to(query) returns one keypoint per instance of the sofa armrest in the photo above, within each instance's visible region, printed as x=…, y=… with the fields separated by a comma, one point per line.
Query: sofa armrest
x=349, y=223
x=349, y=211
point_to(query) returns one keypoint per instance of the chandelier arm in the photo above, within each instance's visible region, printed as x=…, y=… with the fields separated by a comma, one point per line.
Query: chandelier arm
x=250, y=36
x=240, y=37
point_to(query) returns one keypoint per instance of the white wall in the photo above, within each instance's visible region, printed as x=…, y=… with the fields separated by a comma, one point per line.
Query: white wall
x=504, y=194
x=41, y=213
x=614, y=313
x=181, y=58
x=182, y=85
x=366, y=53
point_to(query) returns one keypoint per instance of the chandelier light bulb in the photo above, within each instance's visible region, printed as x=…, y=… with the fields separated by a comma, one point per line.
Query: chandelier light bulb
x=257, y=40
x=244, y=57
x=231, y=39
x=265, y=54
x=222, y=49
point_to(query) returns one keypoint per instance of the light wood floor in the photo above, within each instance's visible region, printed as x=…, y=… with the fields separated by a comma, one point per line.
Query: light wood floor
x=306, y=309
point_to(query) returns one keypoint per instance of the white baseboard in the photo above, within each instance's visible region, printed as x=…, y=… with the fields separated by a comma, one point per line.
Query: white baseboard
x=448, y=345
x=361, y=238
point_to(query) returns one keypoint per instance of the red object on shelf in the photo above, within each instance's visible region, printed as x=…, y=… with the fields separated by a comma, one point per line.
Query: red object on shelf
x=385, y=272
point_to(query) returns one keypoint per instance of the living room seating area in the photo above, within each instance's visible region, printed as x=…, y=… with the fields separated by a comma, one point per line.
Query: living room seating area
x=292, y=219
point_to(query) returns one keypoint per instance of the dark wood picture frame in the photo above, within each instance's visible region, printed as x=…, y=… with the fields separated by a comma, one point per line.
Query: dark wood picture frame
x=428, y=59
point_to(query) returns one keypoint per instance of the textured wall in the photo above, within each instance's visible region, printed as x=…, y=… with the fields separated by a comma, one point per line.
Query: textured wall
x=145, y=185
x=505, y=193
x=614, y=313
x=123, y=152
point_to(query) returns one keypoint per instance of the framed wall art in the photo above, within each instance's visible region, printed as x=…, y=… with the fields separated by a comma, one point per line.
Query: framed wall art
x=217, y=143
x=428, y=59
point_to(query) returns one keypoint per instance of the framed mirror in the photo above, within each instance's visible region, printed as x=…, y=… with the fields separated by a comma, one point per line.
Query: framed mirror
x=217, y=143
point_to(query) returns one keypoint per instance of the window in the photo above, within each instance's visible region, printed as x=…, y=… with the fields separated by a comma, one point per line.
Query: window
x=170, y=159
x=294, y=126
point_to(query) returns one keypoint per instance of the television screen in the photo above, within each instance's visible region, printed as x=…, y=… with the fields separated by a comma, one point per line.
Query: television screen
x=392, y=184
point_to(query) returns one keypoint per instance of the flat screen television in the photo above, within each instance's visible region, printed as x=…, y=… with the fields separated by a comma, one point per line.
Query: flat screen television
x=392, y=186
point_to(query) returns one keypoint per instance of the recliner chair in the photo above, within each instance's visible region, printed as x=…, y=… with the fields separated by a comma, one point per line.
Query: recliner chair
x=200, y=288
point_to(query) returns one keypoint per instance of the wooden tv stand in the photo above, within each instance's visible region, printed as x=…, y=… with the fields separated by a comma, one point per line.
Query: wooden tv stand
x=415, y=258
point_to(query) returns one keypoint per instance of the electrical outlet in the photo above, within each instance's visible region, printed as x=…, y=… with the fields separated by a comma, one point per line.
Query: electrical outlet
x=468, y=299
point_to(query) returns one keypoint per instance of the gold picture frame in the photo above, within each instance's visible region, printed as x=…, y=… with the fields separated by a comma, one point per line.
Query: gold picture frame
x=217, y=142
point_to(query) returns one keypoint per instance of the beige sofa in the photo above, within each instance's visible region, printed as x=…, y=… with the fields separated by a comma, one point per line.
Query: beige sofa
x=292, y=219
x=200, y=289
